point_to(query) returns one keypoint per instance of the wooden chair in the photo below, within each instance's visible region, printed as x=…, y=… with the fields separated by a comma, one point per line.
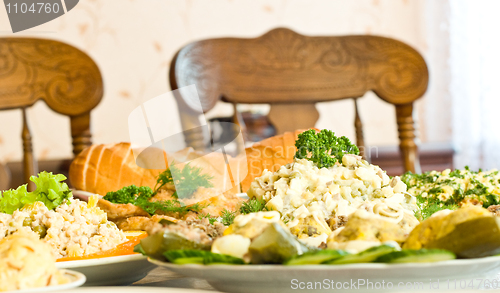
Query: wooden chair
x=67, y=79
x=292, y=73
x=4, y=177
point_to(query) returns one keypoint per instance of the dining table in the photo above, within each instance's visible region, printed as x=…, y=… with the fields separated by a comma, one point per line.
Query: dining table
x=162, y=277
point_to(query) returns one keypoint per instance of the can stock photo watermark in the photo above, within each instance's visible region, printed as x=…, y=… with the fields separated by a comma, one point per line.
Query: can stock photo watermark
x=397, y=285
x=193, y=153
x=26, y=14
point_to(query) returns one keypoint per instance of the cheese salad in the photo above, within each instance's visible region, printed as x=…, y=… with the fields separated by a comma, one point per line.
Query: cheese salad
x=313, y=202
x=75, y=228
x=26, y=262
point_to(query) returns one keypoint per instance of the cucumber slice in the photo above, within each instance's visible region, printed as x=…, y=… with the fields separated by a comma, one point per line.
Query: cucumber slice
x=368, y=255
x=414, y=255
x=154, y=245
x=216, y=258
x=173, y=255
x=315, y=257
x=188, y=260
x=138, y=249
x=185, y=256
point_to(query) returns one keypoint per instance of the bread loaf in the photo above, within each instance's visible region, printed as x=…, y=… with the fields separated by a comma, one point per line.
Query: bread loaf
x=103, y=168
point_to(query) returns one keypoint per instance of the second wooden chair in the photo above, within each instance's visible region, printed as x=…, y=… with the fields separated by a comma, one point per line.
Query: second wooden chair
x=292, y=73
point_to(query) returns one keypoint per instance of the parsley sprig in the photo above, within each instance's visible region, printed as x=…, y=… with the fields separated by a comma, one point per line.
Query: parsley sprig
x=323, y=148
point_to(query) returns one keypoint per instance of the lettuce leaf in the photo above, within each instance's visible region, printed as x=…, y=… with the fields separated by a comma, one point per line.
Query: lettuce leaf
x=49, y=189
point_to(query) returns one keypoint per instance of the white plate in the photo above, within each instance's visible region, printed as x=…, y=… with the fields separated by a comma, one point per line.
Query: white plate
x=76, y=279
x=242, y=195
x=279, y=278
x=83, y=195
x=113, y=270
x=136, y=289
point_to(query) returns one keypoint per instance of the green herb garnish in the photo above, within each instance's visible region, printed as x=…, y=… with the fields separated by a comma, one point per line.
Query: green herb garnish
x=129, y=194
x=140, y=196
x=323, y=148
x=211, y=219
x=186, y=182
x=253, y=206
x=228, y=217
x=163, y=179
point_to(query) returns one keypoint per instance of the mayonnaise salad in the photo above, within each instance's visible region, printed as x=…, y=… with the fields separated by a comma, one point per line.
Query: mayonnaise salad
x=315, y=201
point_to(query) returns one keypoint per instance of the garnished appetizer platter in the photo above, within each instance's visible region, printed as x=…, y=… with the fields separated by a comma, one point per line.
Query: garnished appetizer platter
x=316, y=214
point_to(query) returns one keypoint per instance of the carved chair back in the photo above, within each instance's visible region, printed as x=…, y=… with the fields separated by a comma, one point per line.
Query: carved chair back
x=292, y=73
x=64, y=77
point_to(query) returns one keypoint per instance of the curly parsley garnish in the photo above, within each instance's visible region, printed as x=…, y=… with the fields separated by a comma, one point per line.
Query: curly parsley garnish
x=323, y=148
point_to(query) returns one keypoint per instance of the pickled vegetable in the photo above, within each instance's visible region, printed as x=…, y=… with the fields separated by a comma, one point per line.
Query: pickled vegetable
x=275, y=245
x=200, y=257
x=27, y=221
x=471, y=239
x=316, y=257
x=468, y=232
x=368, y=255
x=440, y=225
x=156, y=244
x=415, y=256
x=41, y=230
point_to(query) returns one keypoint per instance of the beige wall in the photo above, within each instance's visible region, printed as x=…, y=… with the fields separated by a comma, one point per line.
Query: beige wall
x=133, y=41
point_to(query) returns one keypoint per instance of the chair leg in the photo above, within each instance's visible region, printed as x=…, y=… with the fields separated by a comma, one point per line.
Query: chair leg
x=407, y=145
x=29, y=162
x=238, y=120
x=360, y=139
x=5, y=177
x=304, y=116
x=80, y=131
